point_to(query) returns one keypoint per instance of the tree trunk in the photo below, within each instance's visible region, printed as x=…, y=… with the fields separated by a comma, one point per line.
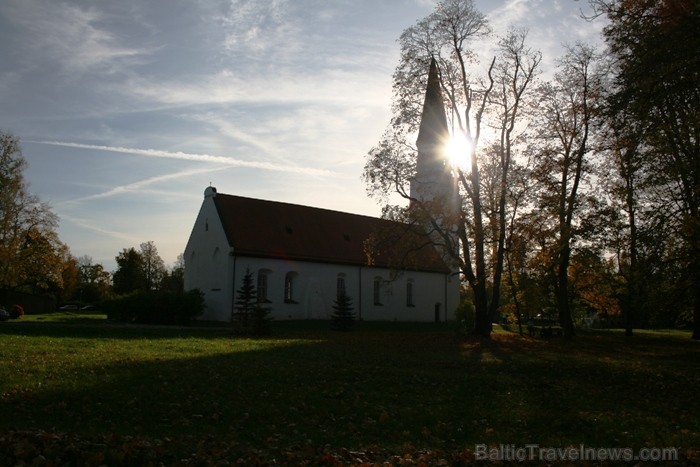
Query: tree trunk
x=483, y=318
x=696, y=305
x=565, y=320
x=633, y=276
x=500, y=252
x=514, y=292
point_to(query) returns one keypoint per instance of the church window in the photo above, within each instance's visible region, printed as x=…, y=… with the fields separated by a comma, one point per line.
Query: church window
x=262, y=286
x=340, y=285
x=289, y=292
x=377, y=290
x=409, y=293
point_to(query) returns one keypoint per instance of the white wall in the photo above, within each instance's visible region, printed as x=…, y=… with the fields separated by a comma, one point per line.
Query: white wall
x=315, y=290
x=207, y=263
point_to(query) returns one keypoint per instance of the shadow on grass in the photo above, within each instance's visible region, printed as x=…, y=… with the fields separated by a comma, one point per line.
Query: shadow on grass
x=386, y=387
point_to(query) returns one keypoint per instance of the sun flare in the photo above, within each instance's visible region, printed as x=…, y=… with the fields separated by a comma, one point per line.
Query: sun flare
x=459, y=151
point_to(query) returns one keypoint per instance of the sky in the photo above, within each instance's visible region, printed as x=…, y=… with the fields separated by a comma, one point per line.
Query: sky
x=126, y=111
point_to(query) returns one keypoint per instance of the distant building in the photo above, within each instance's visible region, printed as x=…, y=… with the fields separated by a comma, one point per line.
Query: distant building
x=303, y=257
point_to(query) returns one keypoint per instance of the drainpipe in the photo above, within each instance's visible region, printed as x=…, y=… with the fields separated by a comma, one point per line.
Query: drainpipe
x=446, y=279
x=359, y=300
x=233, y=283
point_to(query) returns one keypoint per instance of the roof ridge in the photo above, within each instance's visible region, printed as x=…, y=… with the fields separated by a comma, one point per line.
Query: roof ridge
x=304, y=206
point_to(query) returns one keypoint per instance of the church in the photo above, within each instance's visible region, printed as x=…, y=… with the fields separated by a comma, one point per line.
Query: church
x=301, y=258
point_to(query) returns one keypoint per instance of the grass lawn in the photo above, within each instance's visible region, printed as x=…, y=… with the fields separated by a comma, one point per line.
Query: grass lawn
x=387, y=391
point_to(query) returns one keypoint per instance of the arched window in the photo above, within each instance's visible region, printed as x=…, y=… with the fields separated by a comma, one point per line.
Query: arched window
x=215, y=279
x=289, y=292
x=340, y=285
x=409, y=293
x=262, y=285
x=377, y=290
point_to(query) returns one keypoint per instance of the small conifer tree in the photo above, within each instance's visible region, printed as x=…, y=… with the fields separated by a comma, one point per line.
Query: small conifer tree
x=249, y=316
x=343, y=316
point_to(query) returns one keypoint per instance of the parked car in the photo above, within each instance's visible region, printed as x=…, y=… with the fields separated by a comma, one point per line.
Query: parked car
x=90, y=308
x=68, y=308
x=4, y=315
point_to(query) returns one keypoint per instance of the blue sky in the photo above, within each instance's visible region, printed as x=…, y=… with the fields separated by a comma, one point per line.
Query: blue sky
x=128, y=110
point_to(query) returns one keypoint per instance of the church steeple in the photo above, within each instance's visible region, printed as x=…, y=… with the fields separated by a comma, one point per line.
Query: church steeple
x=433, y=180
x=433, y=125
x=434, y=192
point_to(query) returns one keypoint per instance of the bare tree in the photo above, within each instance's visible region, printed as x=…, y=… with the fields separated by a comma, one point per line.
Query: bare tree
x=494, y=99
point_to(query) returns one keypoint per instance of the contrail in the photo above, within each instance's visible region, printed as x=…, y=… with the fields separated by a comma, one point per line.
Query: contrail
x=132, y=187
x=197, y=157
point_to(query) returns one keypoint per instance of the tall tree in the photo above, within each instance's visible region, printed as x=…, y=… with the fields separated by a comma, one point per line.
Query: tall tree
x=94, y=280
x=174, y=279
x=622, y=147
x=568, y=104
x=446, y=36
x=153, y=265
x=31, y=254
x=129, y=276
x=657, y=82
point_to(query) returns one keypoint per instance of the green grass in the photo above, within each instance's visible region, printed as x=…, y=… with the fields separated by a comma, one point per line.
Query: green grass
x=67, y=317
x=387, y=387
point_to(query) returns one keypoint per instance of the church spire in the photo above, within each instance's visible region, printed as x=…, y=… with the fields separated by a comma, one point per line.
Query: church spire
x=434, y=191
x=433, y=178
x=433, y=126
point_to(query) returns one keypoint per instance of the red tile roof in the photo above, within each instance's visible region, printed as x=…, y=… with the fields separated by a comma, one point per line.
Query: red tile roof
x=272, y=229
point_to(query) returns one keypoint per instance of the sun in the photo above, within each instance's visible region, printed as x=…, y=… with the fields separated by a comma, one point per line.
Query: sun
x=459, y=150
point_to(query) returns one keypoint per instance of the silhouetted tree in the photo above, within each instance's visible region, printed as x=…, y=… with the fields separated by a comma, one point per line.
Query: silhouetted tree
x=343, y=316
x=129, y=276
x=656, y=78
x=249, y=316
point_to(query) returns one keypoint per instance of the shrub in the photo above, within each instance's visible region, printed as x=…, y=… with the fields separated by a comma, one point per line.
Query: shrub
x=162, y=307
x=465, y=317
x=16, y=311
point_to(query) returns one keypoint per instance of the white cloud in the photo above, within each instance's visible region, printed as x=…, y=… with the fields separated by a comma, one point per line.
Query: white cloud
x=256, y=28
x=70, y=35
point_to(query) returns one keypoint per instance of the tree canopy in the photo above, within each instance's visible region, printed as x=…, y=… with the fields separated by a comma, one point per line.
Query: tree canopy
x=31, y=254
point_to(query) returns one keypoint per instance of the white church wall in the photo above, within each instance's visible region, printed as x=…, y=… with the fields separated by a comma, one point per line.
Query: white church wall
x=315, y=285
x=207, y=263
x=394, y=302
